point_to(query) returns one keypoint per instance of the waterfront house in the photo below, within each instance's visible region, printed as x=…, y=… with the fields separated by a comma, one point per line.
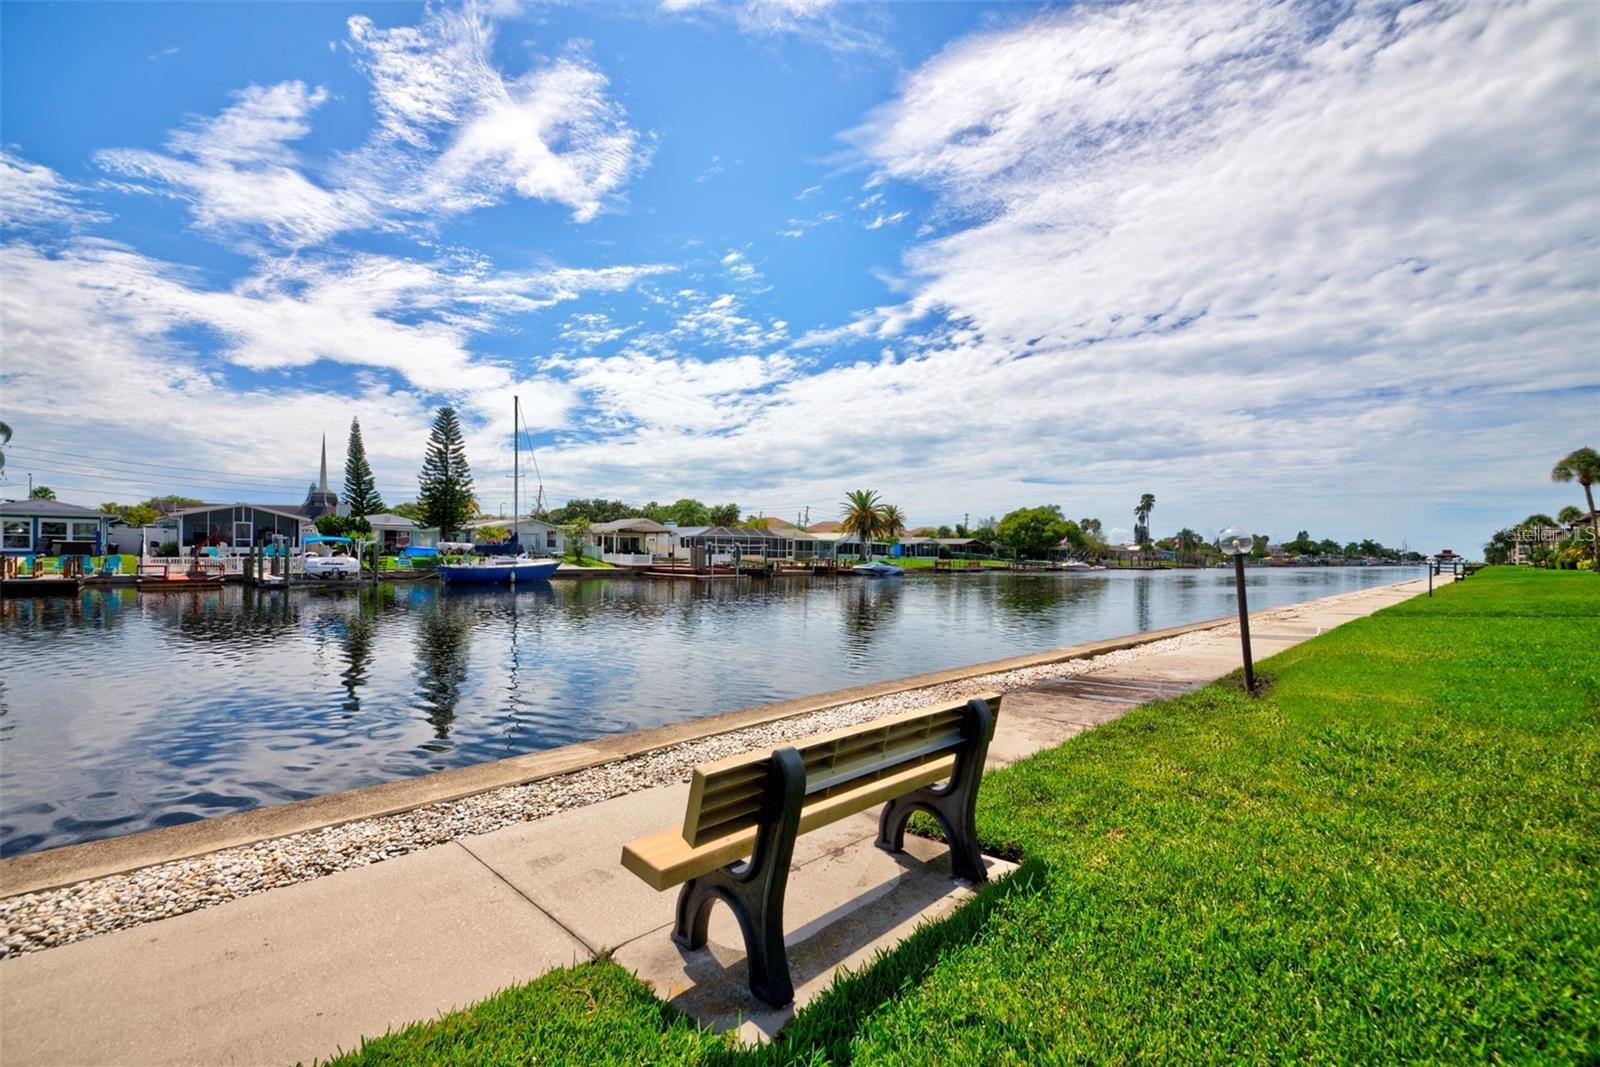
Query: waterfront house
x=234, y=527
x=395, y=532
x=1137, y=554
x=541, y=538
x=825, y=527
x=724, y=542
x=917, y=548
x=964, y=547
x=47, y=527
x=631, y=542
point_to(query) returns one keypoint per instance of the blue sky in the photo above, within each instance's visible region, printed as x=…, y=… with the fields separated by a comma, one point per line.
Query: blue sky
x=1285, y=267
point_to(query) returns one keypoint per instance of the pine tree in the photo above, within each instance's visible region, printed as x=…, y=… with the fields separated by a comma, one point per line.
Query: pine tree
x=445, y=484
x=360, y=488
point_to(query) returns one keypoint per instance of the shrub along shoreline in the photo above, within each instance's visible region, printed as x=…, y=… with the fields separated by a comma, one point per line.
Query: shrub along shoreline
x=1391, y=854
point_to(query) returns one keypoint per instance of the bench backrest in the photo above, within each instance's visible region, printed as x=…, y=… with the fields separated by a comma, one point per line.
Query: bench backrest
x=729, y=795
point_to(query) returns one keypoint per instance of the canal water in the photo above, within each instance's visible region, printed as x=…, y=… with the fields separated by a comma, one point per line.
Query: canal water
x=122, y=711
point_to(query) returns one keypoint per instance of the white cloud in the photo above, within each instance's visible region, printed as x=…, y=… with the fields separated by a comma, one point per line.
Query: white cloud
x=883, y=220
x=454, y=134
x=739, y=269
x=800, y=227
x=32, y=194
x=717, y=324
x=821, y=21
x=711, y=171
x=676, y=395
x=459, y=134
x=591, y=329
x=236, y=169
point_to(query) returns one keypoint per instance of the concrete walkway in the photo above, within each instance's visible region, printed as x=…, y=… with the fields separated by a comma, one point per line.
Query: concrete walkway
x=299, y=972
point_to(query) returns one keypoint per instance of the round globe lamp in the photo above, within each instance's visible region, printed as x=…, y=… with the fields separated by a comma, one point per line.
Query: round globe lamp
x=1237, y=542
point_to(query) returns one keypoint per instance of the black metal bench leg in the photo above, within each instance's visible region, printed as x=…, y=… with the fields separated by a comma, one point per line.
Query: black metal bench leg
x=954, y=804
x=754, y=888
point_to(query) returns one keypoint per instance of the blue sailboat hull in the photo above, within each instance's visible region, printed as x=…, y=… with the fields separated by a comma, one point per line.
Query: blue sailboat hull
x=512, y=574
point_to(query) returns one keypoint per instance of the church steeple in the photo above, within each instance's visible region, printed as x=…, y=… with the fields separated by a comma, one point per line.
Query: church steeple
x=322, y=500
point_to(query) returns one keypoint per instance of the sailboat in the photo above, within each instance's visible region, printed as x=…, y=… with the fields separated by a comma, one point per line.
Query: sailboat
x=504, y=570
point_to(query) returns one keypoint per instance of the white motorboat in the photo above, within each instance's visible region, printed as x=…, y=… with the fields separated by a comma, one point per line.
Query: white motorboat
x=1074, y=565
x=336, y=564
x=877, y=569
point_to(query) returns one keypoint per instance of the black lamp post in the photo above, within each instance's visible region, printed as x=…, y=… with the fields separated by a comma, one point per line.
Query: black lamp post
x=1238, y=544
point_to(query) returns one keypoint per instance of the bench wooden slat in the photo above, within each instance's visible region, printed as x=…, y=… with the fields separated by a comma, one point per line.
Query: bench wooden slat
x=865, y=765
x=665, y=859
x=721, y=797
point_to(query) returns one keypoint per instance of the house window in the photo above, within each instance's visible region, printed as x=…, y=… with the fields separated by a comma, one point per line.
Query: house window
x=52, y=531
x=17, y=534
x=85, y=531
x=549, y=539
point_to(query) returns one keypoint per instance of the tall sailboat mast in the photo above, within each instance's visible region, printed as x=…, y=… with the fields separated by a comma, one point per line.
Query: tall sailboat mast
x=516, y=456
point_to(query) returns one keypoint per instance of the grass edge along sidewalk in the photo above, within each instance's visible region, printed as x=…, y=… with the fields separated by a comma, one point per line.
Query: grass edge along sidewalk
x=1388, y=855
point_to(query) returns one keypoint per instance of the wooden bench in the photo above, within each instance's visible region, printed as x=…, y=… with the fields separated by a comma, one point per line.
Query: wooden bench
x=755, y=805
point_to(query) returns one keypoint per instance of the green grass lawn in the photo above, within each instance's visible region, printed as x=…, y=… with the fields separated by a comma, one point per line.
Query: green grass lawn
x=1392, y=854
x=584, y=561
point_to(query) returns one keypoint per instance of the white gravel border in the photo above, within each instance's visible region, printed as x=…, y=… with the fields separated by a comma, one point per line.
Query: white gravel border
x=45, y=919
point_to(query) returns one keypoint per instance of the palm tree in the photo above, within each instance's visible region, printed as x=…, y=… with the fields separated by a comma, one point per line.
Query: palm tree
x=1187, y=541
x=1568, y=515
x=891, y=521
x=1583, y=467
x=1141, y=516
x=723, y=515
x=575, y=533
x=862, y=515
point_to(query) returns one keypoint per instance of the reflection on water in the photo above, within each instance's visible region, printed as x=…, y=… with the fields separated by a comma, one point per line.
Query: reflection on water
x=121, y=711
x=444, y=636
x=869, y=609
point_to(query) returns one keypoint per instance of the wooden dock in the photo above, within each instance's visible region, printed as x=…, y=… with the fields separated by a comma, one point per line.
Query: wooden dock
x=162, y=578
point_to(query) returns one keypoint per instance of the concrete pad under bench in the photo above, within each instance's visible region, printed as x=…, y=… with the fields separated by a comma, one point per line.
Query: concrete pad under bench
x=841, y=910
